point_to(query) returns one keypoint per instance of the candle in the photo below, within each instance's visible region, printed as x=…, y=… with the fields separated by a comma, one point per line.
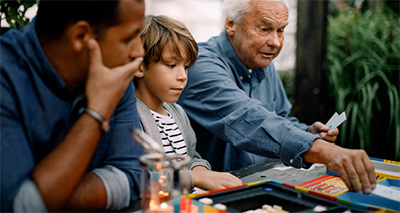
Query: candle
x=163, y=207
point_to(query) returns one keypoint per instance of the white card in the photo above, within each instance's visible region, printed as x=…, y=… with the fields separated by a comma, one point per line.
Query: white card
x=387, y=192
x=334, y=116
x=336, y=120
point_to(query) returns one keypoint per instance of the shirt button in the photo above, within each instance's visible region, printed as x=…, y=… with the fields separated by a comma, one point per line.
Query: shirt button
x=249, y=76
x=241, y=78
x=291, y=161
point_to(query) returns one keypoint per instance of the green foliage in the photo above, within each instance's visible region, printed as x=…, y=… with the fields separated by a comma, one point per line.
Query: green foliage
x=14, y=12
x=287, y=77
x=363, y=76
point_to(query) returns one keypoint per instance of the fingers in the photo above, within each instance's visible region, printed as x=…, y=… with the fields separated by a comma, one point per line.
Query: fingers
x=96, y=61
x=333, y=132
x=225, y=180
x=326, y=137
x=357, y=171
x=314, y=128
x=95, y=54
x=369, y=167
x=134, y=65
x=129, y=70
x=318, y=127
x=340, y=169
x=353, y=177
x=331, y=135
x=211, y=180
x=231, y=180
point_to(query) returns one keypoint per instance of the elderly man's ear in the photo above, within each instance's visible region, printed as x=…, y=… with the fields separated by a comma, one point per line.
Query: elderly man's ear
x=229, y=27
x=140, y=72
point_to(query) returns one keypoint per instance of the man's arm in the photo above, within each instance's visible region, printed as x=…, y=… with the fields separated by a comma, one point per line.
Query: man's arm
x=353, y=166
x=90, y=194
x=62, y=173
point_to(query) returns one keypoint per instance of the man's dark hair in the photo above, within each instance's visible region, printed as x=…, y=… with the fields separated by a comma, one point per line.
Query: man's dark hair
x=54, y=16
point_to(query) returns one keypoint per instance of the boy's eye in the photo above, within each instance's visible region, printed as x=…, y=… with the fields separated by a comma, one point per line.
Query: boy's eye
x=171, y=65
x=187, y=67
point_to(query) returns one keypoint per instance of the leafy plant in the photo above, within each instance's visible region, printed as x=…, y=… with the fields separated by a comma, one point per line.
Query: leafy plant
x=14, y=11
x=363, y=75
x=287, y=77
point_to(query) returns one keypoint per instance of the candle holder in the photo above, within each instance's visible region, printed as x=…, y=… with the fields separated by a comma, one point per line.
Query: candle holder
x=164, y=178
x=157, y=184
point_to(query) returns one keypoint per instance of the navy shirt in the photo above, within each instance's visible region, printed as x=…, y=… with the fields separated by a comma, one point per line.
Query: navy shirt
x=38, y=109
x=240, y=116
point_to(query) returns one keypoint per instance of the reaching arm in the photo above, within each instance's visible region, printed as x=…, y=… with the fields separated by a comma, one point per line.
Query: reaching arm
x=353, y=166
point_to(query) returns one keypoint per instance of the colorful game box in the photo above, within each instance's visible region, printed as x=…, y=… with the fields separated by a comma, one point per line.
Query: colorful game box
x=279, y=196
x=386, y=195
x=328, y=184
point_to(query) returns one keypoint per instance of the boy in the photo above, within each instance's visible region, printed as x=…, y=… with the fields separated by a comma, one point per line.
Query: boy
x=169, y=51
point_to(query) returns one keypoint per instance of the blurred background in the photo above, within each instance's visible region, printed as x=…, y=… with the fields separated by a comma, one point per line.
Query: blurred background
x=338, y=55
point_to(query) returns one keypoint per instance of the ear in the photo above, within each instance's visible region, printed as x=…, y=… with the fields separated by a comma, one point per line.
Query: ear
x=229, y=27
x=79, y=34
x=140, y=72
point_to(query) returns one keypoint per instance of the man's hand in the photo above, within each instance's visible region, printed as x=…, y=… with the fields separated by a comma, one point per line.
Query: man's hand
x=105, y=87
x=324, y=132
x=210, y=180
x=354, y=166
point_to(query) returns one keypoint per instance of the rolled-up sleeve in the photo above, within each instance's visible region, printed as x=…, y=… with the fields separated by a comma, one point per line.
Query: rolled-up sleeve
x=28, y=199
x=117, y=187
x=122, y=151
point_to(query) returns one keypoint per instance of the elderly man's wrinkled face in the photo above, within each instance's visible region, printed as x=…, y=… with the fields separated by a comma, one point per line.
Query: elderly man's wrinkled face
x=259, y=37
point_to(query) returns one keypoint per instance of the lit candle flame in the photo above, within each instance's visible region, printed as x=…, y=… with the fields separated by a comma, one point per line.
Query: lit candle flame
x=164, y=205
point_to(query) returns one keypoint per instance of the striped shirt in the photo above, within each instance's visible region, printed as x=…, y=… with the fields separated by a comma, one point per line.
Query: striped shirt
x=171, y=136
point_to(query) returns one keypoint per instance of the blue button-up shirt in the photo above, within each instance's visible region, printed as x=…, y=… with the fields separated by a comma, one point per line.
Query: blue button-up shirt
x=37, y=111
x=240, y=116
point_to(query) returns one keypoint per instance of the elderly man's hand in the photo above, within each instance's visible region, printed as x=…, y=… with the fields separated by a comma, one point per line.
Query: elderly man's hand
x=324, y=132
x=353, y=166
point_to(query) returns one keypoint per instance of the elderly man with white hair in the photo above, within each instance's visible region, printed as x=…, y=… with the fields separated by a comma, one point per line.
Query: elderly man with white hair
x=238, y=106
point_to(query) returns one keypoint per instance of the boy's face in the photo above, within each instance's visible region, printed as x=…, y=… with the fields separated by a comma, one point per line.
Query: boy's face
x=164, y=81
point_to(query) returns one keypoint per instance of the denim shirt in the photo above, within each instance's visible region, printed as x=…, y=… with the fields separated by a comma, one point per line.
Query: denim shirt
x=38, y=109
x=240, y=116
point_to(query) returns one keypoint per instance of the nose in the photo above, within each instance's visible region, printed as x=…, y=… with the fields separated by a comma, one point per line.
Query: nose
x=182, y=74
x=136, y=49
x=274, y=39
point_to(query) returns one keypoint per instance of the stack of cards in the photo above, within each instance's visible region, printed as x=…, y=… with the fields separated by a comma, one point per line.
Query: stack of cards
x=336, y=120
